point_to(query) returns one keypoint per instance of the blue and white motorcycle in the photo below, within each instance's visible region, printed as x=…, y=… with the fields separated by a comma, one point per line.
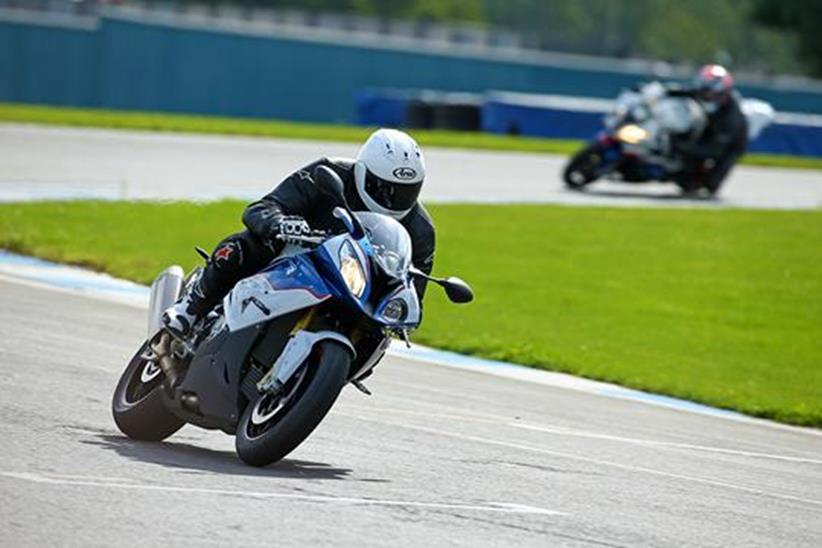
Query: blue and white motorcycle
x=269, y=362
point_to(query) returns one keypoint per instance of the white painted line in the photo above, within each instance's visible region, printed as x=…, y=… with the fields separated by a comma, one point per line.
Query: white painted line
x=79, y=481
x=591, y=460
x=572, y=432
x=663, y=444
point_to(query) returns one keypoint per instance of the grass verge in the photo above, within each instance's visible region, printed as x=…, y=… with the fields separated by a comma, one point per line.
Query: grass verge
x=64, y=116
x=720, y=307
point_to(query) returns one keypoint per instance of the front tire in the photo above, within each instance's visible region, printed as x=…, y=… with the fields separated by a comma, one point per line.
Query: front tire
x=271, y=427
x=137, y=404
x=583, y=169
x=712, y=188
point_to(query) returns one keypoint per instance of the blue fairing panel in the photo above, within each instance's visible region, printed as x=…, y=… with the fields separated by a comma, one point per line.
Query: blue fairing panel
x=296, y=272
x=288, y=284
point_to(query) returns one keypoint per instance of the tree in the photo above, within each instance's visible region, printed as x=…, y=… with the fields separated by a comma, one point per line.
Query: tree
x=802, y=17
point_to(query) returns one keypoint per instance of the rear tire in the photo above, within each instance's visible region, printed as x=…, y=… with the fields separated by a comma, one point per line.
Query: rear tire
x=583, y=168
x=323, y=377
x=138, y=406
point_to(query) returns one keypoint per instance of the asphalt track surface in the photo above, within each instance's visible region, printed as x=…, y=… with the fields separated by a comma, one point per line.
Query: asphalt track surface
x=437, y=457
x=43, y=162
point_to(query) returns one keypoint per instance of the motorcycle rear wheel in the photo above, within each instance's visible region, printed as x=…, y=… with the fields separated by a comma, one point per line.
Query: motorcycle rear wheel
x=137, y=404
x=271, y=427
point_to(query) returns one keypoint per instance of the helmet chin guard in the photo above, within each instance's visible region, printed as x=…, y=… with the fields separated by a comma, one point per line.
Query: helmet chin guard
x=389, y=172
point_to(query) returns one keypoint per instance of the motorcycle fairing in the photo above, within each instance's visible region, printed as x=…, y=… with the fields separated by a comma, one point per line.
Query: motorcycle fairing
x=297, y=350
x=288, y=284
x=214, y=377
x=372, y=360
x=327, y=257
x=408, y=294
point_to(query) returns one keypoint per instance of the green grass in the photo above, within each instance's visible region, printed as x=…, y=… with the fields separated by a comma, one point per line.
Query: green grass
x=118, y=119
x=721, y=307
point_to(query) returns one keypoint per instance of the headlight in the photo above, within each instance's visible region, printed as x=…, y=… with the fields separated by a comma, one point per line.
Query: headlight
x=395, y=311
x=351, y=270
x=631, y=134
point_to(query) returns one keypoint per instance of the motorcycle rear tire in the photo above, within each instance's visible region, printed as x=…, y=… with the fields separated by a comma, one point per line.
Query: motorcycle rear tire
x=326, y=375
x=145, y=417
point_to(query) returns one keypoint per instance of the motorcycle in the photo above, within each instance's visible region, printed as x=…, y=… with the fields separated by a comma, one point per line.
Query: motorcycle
x=635, y=144
x=267, y=364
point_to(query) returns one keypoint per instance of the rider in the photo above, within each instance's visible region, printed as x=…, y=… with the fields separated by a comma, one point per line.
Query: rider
x=709, y=159
x=386, y=177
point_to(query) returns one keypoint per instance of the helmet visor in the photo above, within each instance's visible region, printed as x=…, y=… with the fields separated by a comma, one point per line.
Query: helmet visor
x=391, y=195
x=710, y=87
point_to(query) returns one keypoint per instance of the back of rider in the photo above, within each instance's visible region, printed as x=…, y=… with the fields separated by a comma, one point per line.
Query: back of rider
x=709, y=159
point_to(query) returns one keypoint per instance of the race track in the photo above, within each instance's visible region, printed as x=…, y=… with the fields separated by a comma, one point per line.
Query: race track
x=41, y=162
x=437, y=457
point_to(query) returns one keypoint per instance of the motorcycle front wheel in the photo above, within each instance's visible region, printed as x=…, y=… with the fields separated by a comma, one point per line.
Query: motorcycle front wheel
x=137, y=404
x=583, y=168
x=274, y=425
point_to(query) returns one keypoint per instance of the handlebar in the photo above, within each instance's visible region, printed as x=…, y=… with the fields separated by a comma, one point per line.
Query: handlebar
x=313, y=238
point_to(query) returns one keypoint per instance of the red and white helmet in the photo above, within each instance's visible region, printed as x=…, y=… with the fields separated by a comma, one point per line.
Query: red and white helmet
x=389, y=172
x=713, y=85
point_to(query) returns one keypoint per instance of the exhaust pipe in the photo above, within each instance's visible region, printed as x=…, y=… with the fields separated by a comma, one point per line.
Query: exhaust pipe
x=165, y=289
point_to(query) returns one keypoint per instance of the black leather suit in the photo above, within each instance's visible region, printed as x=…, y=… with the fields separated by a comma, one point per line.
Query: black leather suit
x=245, y=253
x=710, y=158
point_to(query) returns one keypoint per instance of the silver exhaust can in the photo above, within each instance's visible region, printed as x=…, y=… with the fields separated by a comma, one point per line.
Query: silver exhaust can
x=165, y=289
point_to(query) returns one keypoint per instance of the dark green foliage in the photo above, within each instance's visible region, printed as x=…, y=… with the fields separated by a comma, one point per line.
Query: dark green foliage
x=765, y=35
x=801, y=17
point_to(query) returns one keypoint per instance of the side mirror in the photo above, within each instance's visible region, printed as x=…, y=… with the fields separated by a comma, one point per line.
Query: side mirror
x=330, y=184
x=345, y=218
x=457, y=290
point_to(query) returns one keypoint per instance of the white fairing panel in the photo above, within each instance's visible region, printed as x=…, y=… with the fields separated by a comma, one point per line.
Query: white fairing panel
x=299, y=347
x=678, y=115
x=759, y=115
x=253, y=301
x=412, y=302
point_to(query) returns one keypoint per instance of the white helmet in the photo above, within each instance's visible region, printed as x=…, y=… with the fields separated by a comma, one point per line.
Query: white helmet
x=389, y=172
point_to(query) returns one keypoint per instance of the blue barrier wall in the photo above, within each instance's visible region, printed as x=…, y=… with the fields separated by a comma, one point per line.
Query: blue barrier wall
x=135, y=64
x=56, y=65
x=499, y=116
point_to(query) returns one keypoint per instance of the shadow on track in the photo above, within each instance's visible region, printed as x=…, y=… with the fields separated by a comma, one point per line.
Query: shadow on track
x=190, y=457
